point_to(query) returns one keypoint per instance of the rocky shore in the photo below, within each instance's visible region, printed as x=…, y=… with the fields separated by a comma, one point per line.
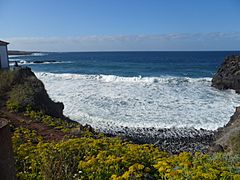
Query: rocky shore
x=176, y=140
x=47, y=147
x=173, y=140
x=228, y=77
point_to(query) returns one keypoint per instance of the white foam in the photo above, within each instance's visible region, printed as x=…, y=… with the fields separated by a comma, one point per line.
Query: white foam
x=38, y=54
x=108, y=101
x=23, y=55
x=24, y=62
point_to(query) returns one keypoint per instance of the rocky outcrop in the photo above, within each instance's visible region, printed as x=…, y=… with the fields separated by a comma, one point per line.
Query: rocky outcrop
x=228, y=75
x=37, y=98
x=228, y=137
x=7, y=168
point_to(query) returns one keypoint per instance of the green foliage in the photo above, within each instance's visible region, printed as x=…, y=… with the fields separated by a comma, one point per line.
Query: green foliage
x=17, y=89
x=20, y=97
x=56, y=123
x=24, y=145
x=6, y=79
x=111, y=158
x=13, y=106
x=197, y=166
x=235, y=142
x=96, y=157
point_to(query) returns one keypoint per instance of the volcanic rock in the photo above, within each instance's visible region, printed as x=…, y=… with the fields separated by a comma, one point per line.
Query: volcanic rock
x=228, y=75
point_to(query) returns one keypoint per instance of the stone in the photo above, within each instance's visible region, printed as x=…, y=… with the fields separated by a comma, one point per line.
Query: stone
x=228, y=75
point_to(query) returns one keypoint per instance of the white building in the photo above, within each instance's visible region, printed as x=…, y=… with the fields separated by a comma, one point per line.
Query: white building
x=4, y=62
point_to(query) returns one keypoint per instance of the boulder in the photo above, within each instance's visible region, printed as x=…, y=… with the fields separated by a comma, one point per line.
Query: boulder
x=228, y=75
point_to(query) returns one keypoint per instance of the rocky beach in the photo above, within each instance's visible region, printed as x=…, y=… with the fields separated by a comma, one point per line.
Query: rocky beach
x=37, y=122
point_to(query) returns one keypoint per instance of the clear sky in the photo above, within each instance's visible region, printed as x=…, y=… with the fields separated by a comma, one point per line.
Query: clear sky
x=110, y=25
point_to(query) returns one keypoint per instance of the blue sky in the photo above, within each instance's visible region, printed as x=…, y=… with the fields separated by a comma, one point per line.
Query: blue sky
x=110, y=25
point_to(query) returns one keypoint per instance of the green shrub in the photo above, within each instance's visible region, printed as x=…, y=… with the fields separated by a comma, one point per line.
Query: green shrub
x=111, y=158
x=6, y=79
x=13, y=106
x=56, y=123
x=235, y=143
x=20, y=97
x=24, y=146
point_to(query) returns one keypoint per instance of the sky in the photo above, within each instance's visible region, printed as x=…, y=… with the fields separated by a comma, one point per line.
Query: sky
x=120, y=25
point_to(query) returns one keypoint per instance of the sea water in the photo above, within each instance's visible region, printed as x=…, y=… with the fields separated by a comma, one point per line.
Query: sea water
x=136, y=89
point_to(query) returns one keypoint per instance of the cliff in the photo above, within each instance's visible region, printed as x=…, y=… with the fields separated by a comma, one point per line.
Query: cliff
x=20, y=88
x=229, y=136
x=228, y=77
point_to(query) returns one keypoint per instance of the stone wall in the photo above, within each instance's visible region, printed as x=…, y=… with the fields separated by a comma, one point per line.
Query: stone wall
x=7, y=167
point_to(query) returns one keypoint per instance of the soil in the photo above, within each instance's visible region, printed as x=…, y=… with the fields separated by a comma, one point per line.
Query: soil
x=19, y=120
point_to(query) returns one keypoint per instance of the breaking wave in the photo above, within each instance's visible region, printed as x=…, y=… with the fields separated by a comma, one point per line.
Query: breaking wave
x=112, y=102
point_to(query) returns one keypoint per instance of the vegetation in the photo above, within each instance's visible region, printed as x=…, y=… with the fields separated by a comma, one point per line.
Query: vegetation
x=53, y=122
x=235, y=143
x=19, y=89
x=94, y=156
x=6, y=79
x=111, y=158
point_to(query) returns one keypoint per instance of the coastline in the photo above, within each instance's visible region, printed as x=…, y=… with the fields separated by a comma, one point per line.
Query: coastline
x=172, y=140
x=15, y=53
x=43, y=137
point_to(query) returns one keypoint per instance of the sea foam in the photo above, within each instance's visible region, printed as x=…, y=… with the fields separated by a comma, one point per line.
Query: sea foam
x=109, y=101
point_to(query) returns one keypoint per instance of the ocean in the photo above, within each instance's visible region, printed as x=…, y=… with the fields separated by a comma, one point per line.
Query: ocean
x=113, y=90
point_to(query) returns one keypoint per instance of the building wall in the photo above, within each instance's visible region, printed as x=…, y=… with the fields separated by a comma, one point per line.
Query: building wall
x=4, y=57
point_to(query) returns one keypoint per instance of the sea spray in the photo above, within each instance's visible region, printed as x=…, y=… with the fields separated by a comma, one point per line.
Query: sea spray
x=110, y=101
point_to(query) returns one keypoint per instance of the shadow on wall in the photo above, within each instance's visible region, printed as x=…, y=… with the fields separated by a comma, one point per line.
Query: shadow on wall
x=7, y=167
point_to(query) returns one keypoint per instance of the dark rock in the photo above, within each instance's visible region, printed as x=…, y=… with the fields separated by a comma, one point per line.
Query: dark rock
x=228, y=75
x=225, y=135
x=89, y=128
x=216, y=148
x=41, y=62
x=40, y=100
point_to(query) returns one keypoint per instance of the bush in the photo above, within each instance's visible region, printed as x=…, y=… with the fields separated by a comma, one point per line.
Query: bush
x=53, y=122
x=235, y=142
x=111, y=158
x=6, y=79
x=20, y=97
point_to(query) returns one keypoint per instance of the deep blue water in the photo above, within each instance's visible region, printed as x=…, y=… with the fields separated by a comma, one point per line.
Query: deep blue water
x=145, y=64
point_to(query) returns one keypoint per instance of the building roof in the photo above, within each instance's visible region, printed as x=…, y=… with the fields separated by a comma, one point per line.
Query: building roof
x=3, y=43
